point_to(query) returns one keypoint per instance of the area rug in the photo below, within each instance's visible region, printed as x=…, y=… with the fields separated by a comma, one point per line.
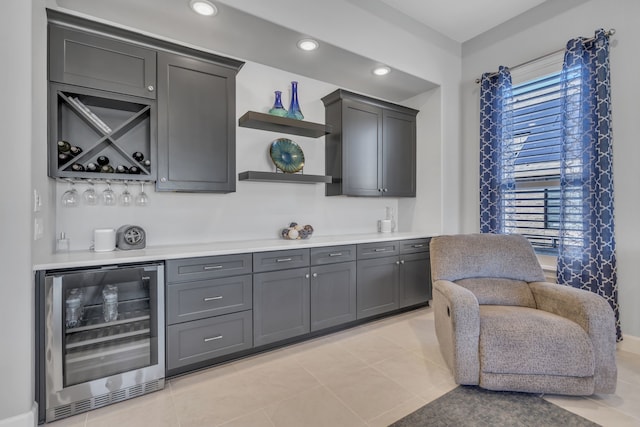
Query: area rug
x=475, y=407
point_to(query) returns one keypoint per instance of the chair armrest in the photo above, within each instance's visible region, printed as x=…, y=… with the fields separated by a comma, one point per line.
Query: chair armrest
x=457, y=322
x=594, y=314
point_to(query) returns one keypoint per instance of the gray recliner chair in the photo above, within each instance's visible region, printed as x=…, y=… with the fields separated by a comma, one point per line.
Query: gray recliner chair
x=500, y=326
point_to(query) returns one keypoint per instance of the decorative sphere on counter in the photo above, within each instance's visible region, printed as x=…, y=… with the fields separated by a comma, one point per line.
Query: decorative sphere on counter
x=296, y=231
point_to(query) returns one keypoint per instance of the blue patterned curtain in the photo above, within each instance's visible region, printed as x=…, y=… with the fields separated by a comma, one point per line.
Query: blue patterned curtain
x=496, y=133
x=586, y=257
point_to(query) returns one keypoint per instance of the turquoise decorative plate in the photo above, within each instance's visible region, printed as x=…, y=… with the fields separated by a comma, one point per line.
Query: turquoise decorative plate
x=286, y=155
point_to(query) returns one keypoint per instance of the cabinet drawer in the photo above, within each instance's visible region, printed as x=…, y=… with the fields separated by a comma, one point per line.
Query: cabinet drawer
x=414, y=246
x=333, y=254
x=280, y=260
x=189, y=269
x=201, y=340
x=205, y=298
x=377, y=249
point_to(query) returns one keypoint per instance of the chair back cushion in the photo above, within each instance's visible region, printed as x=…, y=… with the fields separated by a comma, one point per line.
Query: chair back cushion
x=498, y=291
x=464, y=256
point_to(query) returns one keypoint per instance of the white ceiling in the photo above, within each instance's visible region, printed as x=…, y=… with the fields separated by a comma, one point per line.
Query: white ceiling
x=456, y=20
x=462, y=20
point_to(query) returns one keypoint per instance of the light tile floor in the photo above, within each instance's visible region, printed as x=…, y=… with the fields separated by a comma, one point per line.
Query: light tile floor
x=371, y=375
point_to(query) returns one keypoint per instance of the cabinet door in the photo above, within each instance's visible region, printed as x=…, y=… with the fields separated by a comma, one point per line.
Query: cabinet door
x=377, y=286
x=399, y=154
x=415, y=279
x=333, y=294
x=361, y=149
x=196, y=125
x=280, y=305
x=98, y=62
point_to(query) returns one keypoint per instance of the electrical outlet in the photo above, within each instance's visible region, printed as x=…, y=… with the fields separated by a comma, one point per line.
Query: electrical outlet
x=38, y=228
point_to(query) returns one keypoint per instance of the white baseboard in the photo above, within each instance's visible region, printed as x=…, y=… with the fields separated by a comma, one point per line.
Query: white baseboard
x=629, y=343
x=28, y=419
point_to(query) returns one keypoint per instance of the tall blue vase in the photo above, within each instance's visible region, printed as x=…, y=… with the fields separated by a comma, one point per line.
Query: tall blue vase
x=278, y=109
x=294, y=108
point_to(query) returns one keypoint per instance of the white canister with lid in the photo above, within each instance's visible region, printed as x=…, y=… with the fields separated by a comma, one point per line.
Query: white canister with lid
x=104, y=239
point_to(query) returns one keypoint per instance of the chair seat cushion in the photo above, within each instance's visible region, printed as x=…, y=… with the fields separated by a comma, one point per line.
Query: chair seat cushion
x=522, y=340
x=497, y=291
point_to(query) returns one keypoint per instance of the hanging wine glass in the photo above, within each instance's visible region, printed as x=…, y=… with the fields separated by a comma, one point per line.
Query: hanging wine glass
x=70, y=197
x=108, y=196
x=90, y=196
x=142, y=199
x=126, y=198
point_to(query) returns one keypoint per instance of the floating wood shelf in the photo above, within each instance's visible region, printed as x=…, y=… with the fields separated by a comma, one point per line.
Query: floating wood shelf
x=262, y=121
x=283, y=177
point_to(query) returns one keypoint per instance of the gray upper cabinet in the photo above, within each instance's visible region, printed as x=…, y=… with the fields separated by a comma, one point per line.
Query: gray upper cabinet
x=90, y=60
x=114, y=92
x=372, y=148
x=196, y=116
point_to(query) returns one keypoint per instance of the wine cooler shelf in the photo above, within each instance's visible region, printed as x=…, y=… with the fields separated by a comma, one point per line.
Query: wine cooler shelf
x=100, y=135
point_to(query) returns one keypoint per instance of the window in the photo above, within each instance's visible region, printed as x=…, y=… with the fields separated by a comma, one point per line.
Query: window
x=532, y=206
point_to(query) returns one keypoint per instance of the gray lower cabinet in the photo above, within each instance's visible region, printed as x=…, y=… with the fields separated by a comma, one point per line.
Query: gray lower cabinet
x=333, y=286
x=415, y=272
x=333, y=294
x=280, y=305
x=377, y=286
x=392, y=275
x=209, y=304
x=196, y=125
x=378, y=280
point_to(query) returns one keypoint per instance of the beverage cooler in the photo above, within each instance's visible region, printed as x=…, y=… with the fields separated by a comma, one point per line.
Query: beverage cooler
x=99, y=337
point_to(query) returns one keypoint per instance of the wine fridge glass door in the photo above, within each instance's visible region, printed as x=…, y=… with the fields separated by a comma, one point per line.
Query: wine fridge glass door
x=101, y=324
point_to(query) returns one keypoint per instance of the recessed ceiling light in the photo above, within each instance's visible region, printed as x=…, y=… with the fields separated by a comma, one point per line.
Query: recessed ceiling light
x=381, y=71
x=308, y=44
x=203, y=7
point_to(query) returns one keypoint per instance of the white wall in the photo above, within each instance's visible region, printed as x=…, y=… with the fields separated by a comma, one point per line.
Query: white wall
x=515, y=47
x=259, y=210
x=16, y=291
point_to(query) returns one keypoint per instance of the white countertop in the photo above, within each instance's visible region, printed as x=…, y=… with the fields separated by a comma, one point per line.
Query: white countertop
x=88, y=258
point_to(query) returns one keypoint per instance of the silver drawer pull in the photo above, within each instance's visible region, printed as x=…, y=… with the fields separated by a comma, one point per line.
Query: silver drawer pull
x=336, y=254
x=212, y=298
x=219, y=337
x=418, y=246
x=212, y=267
x=283, y=259
x=379, y=250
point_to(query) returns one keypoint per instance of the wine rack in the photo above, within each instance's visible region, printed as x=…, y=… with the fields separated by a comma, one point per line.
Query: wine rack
x=101, y=124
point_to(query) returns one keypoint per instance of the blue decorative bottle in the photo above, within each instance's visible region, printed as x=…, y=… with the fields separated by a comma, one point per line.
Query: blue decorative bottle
x=294, y=108
x=278, y=109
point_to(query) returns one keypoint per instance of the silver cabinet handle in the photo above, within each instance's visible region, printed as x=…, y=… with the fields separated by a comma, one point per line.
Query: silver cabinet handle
x=212, y=267
x=418, y=246
x=306, y=276
x=402, y=261
x=163, y=179
x=283, y=259
x=336, y=254
x=397, y=262
x=150, y=88
x=315, y=274
x=219, y=337
x=385, y=190
x=207, y=299
x=379, y=250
